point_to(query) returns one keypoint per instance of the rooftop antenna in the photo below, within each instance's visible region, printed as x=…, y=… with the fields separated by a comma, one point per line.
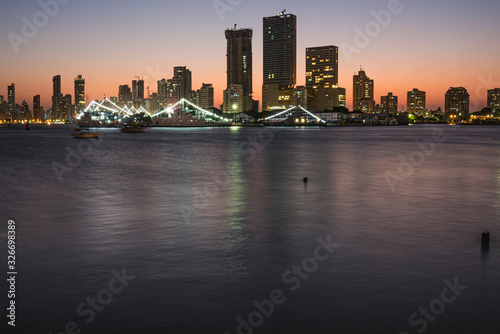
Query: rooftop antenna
x=235, y=26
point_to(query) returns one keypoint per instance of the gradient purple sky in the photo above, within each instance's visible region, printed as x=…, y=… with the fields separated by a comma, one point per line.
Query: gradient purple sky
x=430, y=45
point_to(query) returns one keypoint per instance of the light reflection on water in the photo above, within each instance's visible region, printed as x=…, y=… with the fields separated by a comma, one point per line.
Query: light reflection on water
x=120, y=208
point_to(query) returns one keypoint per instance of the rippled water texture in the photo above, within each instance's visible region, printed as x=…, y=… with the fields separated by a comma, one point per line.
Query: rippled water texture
x=209, y=220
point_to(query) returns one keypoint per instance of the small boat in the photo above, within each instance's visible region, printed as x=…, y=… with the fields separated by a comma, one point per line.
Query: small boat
x=135, y=129
x=85, y=134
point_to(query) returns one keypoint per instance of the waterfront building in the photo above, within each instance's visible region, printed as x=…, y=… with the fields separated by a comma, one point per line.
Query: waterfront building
x=457, y=102
x=79, y=94
x=239, y=62
x=205, y=96
x=494, y=99
x=416, y=102
x=363, y=89
x=389, y=104
x=279, y=56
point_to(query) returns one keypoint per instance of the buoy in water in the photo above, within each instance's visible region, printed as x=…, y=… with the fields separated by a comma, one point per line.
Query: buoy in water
x=485, y=240
x=305, y=180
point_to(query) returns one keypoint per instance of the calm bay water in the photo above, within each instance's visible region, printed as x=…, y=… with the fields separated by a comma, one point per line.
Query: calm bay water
x=209, y=220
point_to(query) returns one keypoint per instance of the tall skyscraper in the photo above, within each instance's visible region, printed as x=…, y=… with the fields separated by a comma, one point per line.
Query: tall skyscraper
x=239, y=62
x=280, y=57
x=79, y=94
x=322, y=78
x=11, y=98
x=183, y=74
x=457, y=101
x=389, y=104
x=206, y=96
x=363, y=88
x=494, y=99
x=415, y=102
x=57, y=98
x=37, y=109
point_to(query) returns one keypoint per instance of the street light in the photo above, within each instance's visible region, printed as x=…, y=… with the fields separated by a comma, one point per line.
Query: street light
x=235, y=108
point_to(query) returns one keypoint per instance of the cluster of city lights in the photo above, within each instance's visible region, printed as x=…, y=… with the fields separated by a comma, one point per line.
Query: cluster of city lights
x=95, y=106
x=295, y=107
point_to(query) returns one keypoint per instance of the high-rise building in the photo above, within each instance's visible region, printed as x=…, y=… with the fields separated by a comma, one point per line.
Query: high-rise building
x=162, y=93
x=25, y=111
x=457, y=101
x=280, y=49
x=494, y=99
x=37, y=109
x=174, y=91
x=363, y=88
x=233, y=99
x=389, y=104
x=124, y=95
x=182, y=74
x=57, y=98
x=206, y=96
x=79, y=94
x=67, y=108
x=140, y=94
x=322, y=77
x=239, y=62
x=134, y=90
x=415, y=102
x=280, y=57
x=322, y=66
x=11, y=98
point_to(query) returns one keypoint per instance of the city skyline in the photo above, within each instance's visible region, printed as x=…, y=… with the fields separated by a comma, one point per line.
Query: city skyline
x=392, y=57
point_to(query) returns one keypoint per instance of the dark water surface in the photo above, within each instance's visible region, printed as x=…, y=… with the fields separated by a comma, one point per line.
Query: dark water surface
x=207, y=221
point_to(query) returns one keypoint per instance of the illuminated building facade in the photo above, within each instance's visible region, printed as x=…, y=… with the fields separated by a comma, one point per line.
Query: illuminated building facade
x=79, y=94
x=233, y=99
x=322, y=78
x=494, y=99
x=389, y=104
x=457, y=101
x=363, y=88
x=416, y=102
x=280, y=57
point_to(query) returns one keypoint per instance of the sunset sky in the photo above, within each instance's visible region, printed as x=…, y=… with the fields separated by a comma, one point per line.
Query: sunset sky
x=429, y=44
